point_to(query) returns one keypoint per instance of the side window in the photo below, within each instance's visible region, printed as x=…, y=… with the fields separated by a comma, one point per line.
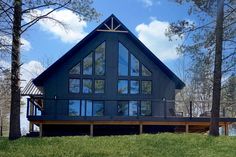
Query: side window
x=123, y=86
x=146, y=87
x=123, y=108
x=146, y=108
x=134, y=66
x=74, y=85
x=134, y=87
x=98, y=108
x=127, y=108
x=99, y=86
x=74, y=108
x=86, y=108
x=87, y=86
x=133, y=108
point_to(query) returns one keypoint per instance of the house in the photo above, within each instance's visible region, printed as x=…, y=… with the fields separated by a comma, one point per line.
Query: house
x=109, y=83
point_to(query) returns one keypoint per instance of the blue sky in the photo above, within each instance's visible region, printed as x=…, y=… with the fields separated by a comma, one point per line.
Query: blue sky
x=147, y=19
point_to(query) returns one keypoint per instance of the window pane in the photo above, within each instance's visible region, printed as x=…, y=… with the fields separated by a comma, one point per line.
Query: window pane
x=74, y=107
x=123, y=86
x=146, y=108
x=87, y=86
x=89, y=108
x=146, y=87
x=98, y=108
x=123, y=60
x=75, y=69
x=133, y=108
x=74, y=85
x=134, y=70
x=83, y=108
x=145, y=71
x=134, y=87
x=123, y=108
x=99, y=86
x=87, y=64
x=100, y=60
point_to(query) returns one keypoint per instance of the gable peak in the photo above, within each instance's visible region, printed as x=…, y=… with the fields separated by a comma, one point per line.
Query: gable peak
x=112, y=24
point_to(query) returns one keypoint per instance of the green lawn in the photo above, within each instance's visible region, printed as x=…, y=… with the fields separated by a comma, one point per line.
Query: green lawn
x=164, y=145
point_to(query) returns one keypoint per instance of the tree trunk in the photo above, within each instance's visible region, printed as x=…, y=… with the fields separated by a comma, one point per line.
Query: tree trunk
x=14, y=131
x=214, y=126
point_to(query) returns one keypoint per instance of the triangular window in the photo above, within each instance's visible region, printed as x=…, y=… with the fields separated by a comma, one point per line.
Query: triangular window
x=123, y=60
x=145, y=71
x=100, y=59
x=75, y=69
x=134, y=66
x=88, y=65
x=129, y=65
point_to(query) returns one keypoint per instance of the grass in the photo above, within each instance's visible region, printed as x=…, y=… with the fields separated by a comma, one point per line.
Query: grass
x=159, y=145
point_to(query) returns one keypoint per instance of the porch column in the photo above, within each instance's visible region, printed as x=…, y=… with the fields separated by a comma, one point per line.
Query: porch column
x=31, y=127
x=91, y=129
x=31, y=108
x=140, y=128
x=40, y=130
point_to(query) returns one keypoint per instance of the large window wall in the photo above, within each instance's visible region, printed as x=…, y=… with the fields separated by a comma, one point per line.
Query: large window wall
x=134, y=77
x=88, y=76
x=134, y=108
x=86, y=108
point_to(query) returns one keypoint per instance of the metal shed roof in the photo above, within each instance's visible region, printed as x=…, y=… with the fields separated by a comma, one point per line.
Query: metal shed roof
x=31, y=90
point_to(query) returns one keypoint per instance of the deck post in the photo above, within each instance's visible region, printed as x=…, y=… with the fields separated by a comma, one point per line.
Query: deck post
x=226, y=129
x=31, y=127
x=190, y=109
x=140, y=128
x=186, y=128
x=40, y=130
x=91, y=129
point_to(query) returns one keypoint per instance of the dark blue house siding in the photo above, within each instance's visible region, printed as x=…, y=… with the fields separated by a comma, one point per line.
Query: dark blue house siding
x=56, y=84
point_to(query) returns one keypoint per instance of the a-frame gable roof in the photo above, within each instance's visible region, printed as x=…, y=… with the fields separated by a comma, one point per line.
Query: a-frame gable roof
x=111, y=24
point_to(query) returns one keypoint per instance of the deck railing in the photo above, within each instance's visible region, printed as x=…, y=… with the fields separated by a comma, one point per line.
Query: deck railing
x=170, y=108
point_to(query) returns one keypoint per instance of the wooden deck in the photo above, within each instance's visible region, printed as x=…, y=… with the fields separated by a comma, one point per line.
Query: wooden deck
x=182, y=124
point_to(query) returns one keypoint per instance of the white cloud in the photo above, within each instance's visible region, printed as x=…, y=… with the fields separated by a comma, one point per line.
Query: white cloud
x=25, y=45
x=153, y=36
x=149, y=3
x=73, y=30
x=30, y=70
